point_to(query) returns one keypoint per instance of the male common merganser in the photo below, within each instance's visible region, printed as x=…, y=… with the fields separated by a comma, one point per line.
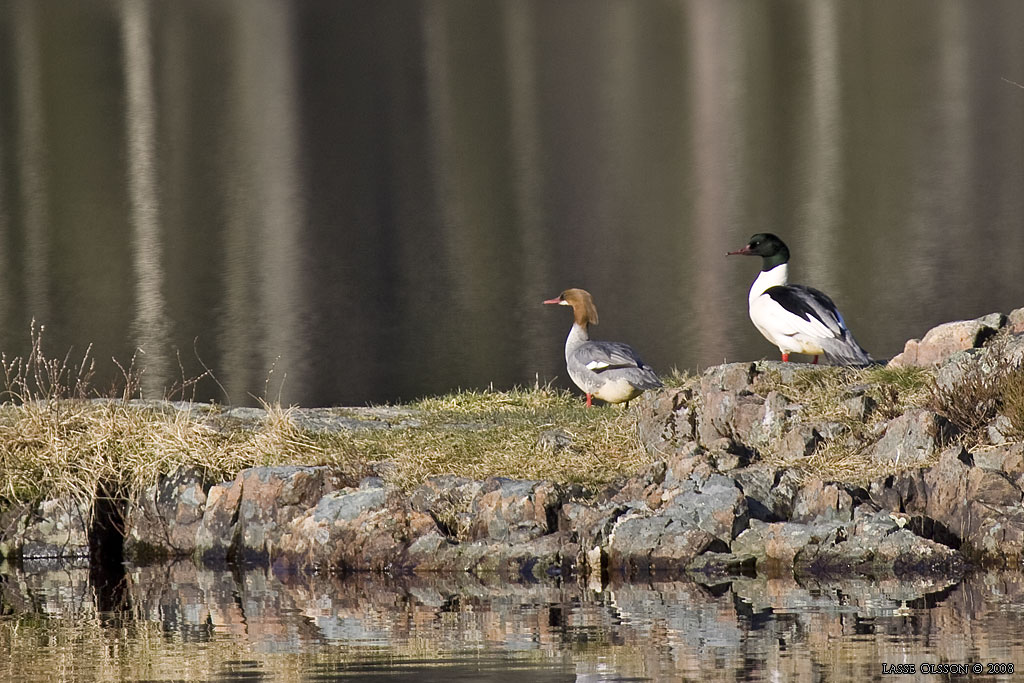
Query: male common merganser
x=610, y=371
x=796, y=318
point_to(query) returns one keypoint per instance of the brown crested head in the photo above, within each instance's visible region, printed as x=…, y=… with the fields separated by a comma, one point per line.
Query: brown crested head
x=583, y=308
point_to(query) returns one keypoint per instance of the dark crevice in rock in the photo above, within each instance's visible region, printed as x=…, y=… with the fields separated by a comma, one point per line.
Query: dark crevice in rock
x=717, y=546
x=926, y=527
x=859, y=494
x=551, y=517
x=757, y=510
x=106, y=548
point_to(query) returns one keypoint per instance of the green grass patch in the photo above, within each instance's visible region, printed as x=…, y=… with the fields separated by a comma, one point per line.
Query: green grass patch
x=831, y=393
x=482, y=433
x=861, y=400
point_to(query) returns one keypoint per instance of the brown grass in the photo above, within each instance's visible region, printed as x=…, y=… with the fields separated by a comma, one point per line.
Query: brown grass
x=988, y=387
x=58, y=438
x=67, y=447
x=1013, y=400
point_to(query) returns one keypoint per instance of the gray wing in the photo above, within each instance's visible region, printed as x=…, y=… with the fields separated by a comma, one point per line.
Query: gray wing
x=616, y=358
x=598, y=356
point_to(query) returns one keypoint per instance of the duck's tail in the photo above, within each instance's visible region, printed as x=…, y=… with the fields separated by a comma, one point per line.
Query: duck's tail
x=646, y=378
x=845, y=351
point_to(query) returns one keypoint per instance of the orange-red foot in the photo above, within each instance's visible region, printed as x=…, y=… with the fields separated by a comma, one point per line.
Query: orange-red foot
x=785, y=358
x=590, y=400
x=815, y=361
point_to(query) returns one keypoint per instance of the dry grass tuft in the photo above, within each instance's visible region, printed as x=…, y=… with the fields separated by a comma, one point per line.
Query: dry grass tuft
x=969, y=403
x=58, y=439
x=837, y=460
x=985, y=389
x=1013, y=400
x=824, y=393
x=73, y=448
x=680, y=378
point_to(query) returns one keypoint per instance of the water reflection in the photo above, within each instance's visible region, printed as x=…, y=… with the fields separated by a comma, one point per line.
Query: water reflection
x=366, y=201
x=178, y=618
x=30, y=157
x=150, y=321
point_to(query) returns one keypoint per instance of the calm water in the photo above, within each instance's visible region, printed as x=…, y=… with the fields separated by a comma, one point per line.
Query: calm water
x=178, y=623
x=341, y=202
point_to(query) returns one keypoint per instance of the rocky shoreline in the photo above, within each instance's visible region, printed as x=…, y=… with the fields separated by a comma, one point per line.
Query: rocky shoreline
x=712, y=504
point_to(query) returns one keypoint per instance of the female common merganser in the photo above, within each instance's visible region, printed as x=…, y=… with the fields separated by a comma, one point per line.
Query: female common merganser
x=796, y=318
x=611, y=371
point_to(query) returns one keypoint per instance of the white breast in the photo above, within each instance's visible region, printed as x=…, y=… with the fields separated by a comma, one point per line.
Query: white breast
x=788, y=331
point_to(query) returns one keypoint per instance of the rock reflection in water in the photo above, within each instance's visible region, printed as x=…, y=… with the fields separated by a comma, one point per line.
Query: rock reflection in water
x=180, y=621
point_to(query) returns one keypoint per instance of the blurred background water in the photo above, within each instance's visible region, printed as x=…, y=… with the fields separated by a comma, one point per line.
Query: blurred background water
x=341, y=202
